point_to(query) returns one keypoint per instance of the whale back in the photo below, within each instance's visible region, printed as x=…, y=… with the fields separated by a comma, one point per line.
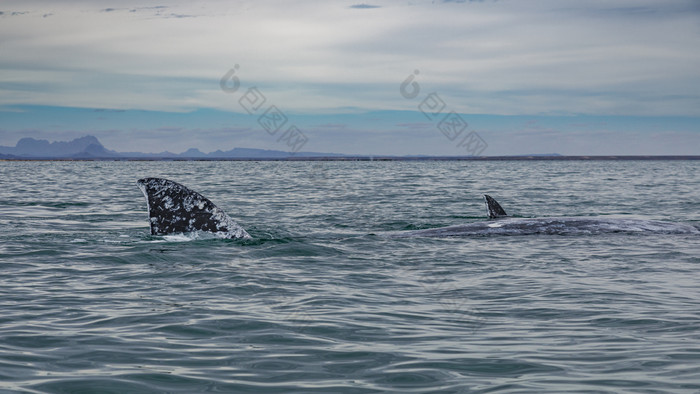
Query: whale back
x=173, y=208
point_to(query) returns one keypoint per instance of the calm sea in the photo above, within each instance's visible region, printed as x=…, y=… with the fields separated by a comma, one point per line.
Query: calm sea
x=319, y=301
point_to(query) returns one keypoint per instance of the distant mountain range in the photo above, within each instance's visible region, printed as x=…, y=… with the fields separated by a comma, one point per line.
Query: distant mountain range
x=89, y=147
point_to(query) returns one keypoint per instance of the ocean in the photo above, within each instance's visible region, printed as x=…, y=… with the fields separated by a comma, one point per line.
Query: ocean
x=320, y=301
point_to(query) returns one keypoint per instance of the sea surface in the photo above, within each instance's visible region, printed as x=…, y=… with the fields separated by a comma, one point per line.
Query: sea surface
x=319, y=301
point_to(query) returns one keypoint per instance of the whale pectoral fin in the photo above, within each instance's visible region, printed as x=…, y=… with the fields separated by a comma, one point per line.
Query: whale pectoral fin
x=494, y=208
x=173, y=208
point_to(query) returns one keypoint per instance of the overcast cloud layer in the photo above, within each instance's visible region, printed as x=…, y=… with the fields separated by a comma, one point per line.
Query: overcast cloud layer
x=314, y=60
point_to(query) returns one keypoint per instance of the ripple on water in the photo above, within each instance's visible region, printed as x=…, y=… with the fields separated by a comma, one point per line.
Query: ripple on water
x=319, y=302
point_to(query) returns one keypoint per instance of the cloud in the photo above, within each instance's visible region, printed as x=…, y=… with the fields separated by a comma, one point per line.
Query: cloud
x=14, y=13
x=416, y=125
x=332, y=126
x=181, y=16
x=310, y=59
x=108, y=110
x=364, y=6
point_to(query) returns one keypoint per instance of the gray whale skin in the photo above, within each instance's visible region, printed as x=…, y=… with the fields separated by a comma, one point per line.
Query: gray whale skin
x=173, y=208
x=501, y=224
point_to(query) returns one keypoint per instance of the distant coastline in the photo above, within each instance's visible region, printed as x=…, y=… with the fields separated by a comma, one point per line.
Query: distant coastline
x=375, y=158
x=89, y=148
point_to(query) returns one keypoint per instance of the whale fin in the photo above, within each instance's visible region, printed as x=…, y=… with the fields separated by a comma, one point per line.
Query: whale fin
x=494, y=208
x=173, y=208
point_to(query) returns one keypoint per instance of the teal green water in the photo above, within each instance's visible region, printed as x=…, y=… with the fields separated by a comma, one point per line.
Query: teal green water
x=319, y=301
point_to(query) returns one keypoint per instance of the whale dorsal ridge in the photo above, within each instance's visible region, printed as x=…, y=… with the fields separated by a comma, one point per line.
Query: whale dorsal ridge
x=494, y=208
x=173, y=208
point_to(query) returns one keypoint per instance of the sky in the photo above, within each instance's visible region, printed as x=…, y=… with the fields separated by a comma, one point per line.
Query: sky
x=491, y=77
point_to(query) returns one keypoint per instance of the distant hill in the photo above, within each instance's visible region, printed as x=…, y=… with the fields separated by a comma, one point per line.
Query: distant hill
x=242, y=153
x=539, y=155
x=89, y=147
x=83, y=146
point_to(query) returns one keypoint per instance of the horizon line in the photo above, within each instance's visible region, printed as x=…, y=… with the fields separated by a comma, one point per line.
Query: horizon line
x=380, y=158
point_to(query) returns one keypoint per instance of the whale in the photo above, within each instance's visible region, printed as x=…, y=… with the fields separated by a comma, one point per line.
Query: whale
x=174, y=208
x=499, y=223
